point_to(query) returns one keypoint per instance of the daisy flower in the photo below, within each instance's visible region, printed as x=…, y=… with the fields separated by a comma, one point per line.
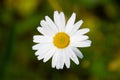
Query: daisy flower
x=60, y=40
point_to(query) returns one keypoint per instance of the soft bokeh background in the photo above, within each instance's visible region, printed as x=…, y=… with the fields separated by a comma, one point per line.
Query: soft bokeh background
x=19, y=20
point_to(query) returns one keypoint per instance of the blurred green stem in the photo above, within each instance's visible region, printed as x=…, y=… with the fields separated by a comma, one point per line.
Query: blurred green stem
x=8, y=52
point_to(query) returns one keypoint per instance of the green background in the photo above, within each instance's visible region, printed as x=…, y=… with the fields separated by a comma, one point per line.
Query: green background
x=19, y=20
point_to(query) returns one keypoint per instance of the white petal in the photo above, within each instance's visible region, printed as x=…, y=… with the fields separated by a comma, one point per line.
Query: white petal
x=70, y=23
x=66, y=59
x=38, y=46
x=58, y=61
x=51, y=24
x=76, y=26
x=43, y=23
x=72, y=55
x=49, y=54
x=41, y=39
x=78, y=38
x=54, y=60
x=61, y=61
x=45, y=26
x=57, y=20
x=58, y=65
x=42, y=31
x=83, y=31
x=85, y=43
x=45, y=31
x=42, y=53
x=77, y=52
x=62, y=18
x=41, y=47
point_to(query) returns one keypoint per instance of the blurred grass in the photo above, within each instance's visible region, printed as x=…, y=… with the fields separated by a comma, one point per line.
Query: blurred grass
x=19, y=20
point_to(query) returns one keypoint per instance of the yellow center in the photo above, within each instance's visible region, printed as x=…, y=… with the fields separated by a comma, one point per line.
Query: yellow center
x=61, y=40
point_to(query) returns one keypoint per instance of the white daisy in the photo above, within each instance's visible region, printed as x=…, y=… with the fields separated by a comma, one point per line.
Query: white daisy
x=60, y=40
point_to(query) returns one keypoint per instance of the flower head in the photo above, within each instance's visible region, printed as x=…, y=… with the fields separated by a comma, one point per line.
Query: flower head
x=59, y=40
